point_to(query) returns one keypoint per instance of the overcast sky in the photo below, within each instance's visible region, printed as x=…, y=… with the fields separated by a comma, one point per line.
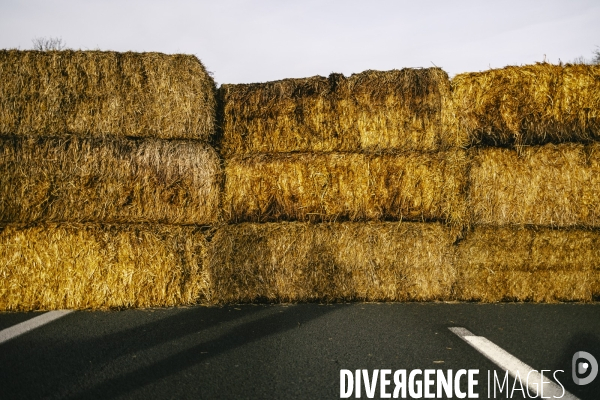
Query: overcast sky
x=255, y=41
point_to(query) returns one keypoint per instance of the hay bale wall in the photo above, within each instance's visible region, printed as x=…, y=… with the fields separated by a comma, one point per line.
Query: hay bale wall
x=74, y=179
x=99, y=93
x=85, y=165
x=551, y=185
x=533, y=104
x=373, y=110
x=76, y=266
x=346, y=186
x=528, y=264
x=330, y=262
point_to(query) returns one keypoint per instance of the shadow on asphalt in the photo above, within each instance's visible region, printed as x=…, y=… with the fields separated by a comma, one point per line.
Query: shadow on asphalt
x=32, y=375
x=109, y=355
x=84, y=369
x=238, y=336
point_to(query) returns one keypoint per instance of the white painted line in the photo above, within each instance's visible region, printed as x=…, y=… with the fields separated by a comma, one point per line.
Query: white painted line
x=19, y=329
x=513, y=365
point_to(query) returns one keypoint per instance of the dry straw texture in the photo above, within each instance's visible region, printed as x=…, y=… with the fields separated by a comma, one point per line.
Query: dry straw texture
x=108, y=180
x=552, y=185
x=97, y=266
x=346, y=186
x=399, y=109
x=97, y=93
x=532, y=104
x=529, y=264
x=331, y=262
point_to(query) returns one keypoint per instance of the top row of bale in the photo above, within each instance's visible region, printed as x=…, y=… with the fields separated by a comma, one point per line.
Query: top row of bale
x=399, y=109
x=414, y=110
x=95, y=93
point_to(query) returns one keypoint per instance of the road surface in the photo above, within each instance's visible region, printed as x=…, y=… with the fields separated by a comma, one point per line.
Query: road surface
x=283, y=351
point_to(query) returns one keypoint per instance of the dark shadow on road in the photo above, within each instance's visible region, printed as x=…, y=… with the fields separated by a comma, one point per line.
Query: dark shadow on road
x=29, y=373
x=237, y=337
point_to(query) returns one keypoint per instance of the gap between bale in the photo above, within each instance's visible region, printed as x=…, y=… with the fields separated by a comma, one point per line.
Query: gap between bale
x=330, y=262
x=551, y=185
x=108, y=180
x=346, y=186
x=528, y=264
x=527, y=105
x=373, y=110
x=75, y=266
x=105, y=93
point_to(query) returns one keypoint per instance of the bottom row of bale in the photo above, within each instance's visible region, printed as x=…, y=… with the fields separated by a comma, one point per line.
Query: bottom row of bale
x=105, y=266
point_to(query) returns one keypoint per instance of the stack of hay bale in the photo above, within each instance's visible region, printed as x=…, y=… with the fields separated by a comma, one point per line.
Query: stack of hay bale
x=534, y=182
x=107, y=179
x=339, y=189
x=383, y=186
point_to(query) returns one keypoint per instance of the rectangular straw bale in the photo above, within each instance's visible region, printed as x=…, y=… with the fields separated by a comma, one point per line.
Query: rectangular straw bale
x=105, y=92
x=108, y=180
x=288, y=262
x=529, y=264
x=551, y=185
x=75, y=266
x=375, y=110
x=346, y=186
x=532, y=104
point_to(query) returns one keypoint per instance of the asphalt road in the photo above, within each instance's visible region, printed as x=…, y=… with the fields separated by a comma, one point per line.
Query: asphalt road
x=281, y=351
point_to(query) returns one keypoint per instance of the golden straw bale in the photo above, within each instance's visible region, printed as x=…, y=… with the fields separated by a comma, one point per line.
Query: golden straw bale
x=291, y=114
x=98, y=93
x=108, y=180
x=76, y=266
x=552, y=185
x=389, y=261
x=529, y=264
x=346, y=186
x=375, y=110
x=532, y=104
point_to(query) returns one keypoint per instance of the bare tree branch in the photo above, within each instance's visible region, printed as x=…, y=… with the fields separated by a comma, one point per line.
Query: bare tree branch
x=47, y=44
x=596, y=57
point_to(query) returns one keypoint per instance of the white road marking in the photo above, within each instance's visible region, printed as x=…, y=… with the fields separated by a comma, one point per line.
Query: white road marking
x=19, y=329
x=513, y=365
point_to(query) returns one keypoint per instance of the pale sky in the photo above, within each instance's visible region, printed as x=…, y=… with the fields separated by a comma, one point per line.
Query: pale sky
x=243, y=41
